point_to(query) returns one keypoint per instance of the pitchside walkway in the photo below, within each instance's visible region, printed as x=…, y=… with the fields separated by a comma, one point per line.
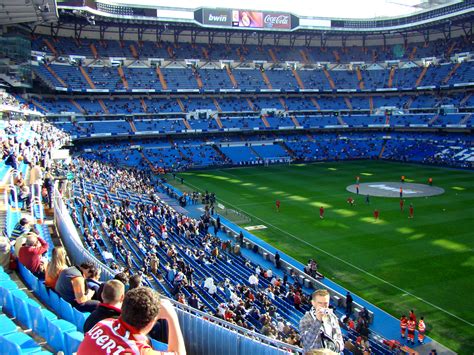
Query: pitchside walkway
x=383, y=323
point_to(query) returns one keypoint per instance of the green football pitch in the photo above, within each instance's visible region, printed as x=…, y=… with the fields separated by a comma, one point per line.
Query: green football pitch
x=425, y=263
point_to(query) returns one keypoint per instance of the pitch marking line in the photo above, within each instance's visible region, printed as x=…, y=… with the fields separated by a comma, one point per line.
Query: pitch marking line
x=349, y=264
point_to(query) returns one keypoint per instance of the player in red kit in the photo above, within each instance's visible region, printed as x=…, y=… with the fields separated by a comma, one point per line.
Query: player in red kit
x=277, y=203
x=376, y=214
x=411, y=325
x=402, y=202
x=403, y=325
x=321, y=212
x=411, y=211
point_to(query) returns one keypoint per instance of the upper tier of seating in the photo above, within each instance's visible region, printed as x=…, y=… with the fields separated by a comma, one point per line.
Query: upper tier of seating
x=253, y=123
x=63, y=46
x=75, y=78
x=126, y=106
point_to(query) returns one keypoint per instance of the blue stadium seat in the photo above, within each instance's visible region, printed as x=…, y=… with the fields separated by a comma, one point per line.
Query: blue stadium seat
x=158, y=345
x=54, y=301
x=38, y=319
x=72, y=341
x=56, y=330
x=80, y=318
x=66, y=311
x=7, y=326
x=18, y=343
x=43, y=293
x=22, y=310
x=7, y=300
x=30, y=279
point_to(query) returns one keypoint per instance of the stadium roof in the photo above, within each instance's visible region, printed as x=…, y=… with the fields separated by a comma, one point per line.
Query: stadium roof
x=320, y=8
x=27, y=11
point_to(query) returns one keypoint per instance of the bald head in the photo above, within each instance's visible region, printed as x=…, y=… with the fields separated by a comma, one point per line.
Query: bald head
x=31, y=240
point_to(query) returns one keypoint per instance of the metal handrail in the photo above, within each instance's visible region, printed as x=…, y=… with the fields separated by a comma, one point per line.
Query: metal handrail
x=36, y=200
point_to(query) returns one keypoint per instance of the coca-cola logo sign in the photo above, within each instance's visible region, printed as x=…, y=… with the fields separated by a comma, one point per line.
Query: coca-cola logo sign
x=277, y=21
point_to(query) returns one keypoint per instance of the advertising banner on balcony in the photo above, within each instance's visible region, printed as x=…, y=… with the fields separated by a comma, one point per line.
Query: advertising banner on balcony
x=246, y=19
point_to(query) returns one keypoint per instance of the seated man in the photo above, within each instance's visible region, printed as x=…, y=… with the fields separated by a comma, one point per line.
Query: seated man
x=112, y=297
x=71, y=287
x=31, y=252
x=141, y=308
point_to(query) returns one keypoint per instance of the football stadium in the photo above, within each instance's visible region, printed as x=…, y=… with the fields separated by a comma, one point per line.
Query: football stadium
x=212, y=177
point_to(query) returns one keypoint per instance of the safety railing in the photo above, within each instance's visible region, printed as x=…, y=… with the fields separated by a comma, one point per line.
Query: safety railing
x=36, y=202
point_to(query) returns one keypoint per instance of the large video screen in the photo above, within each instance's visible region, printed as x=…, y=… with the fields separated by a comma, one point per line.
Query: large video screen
x=246, y=19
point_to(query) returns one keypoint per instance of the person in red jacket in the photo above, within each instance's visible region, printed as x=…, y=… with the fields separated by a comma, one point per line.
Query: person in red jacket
x=321, y=212
x=376, y=214
x=403, y=325
x=412, y=315
x=402, y=203
x=30, y=254
x=277, y=203
x=141, y=308
x=411, y=325
x=421, y=330
x=411, y=211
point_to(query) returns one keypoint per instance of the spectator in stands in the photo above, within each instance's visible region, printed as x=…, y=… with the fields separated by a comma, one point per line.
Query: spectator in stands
x=134, y=281
x=55, y=266
x=112, y=295
x=121, y=276
x=4, y=252
x=71, y=287
x=48, y=186
x=23, y=226
x=93, y=282
x=36, y=179
x=30, y=254
x=24, y=196
x=319, y=328
x=141, y=308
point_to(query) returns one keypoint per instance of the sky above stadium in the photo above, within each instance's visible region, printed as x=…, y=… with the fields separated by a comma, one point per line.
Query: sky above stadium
x=316, y=8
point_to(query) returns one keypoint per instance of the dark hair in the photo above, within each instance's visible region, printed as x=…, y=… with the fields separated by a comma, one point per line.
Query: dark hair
x=90, y=267
x=140, y=306
x=23, y=221
x=121, y=276
x=134, y=282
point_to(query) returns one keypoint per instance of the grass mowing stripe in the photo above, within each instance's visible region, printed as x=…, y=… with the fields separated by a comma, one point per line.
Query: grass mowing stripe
x=430, y=256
